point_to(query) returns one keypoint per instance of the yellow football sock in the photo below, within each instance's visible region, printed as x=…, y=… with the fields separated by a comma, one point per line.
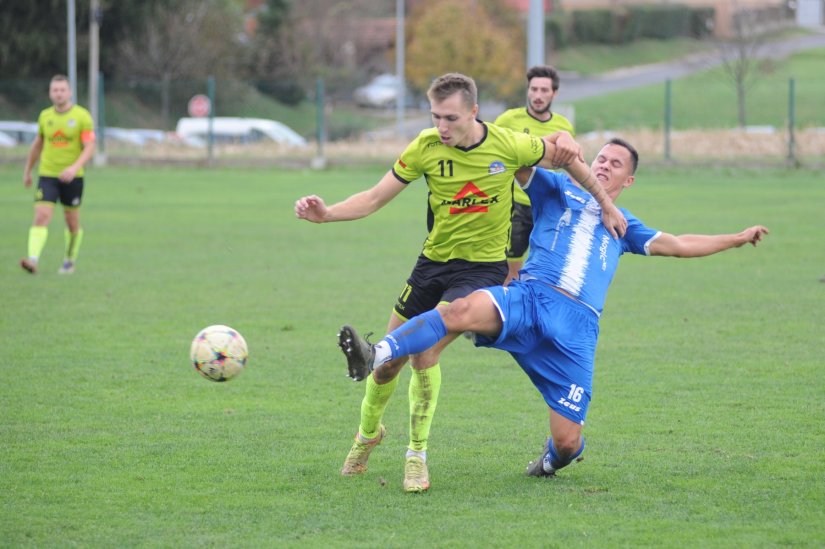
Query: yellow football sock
x=372, y=407
x=73, y=241
x=37, y=240
x=424, y=388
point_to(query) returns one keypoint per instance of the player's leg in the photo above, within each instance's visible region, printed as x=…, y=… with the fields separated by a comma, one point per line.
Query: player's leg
x=377, y=394
x=45, y=199
x=553, y=339
x=73, y=237
x=565, y=444
x=461, y=309
x=71, y=196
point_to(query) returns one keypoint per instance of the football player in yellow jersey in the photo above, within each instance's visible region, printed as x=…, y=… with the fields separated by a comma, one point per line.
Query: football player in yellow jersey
x=65, y=142
x=469, y=168
x=536, y=119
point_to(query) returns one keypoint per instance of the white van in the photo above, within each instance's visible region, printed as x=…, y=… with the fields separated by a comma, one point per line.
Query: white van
x=227, y=129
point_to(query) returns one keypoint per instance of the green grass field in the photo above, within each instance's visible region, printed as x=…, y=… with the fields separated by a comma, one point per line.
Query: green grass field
x=705, y=429
x=708, y=100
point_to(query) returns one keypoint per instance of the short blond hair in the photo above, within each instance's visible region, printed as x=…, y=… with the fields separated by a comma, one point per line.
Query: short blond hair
x=453, y=82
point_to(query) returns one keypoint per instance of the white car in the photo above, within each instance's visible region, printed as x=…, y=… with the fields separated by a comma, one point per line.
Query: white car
x=22, y=132
x=381, y=92
x=227, y=129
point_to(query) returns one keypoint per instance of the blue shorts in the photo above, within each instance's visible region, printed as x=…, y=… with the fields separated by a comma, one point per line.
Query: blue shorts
x=553, y=338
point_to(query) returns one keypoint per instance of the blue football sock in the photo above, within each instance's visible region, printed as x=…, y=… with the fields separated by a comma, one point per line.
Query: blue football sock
x=555, y=461
x=417, y=334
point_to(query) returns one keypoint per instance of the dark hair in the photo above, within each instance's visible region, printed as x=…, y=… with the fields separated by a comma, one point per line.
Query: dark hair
x=447, y=84
x=544, y=71
x=634, y=154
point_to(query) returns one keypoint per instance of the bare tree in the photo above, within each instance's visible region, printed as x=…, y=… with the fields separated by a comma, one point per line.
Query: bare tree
x=741, y=57
x=189, y=39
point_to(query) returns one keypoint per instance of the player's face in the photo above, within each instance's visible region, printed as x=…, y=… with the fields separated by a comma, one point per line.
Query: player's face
x=613, y=168
x=540, y=95
x=454, y=120
x=60, y=93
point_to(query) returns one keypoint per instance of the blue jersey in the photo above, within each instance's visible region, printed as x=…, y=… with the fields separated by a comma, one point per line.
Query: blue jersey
x=570, y=247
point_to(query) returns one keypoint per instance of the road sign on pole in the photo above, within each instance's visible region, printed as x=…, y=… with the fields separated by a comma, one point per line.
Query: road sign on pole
x=199, y=106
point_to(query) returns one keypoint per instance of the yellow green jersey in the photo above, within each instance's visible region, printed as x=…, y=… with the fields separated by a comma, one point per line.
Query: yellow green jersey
x=520, y=120
x=64, y=134
x=470, y=190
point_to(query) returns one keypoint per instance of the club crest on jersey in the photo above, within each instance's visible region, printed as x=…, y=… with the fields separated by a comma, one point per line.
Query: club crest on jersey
x=497, y=167
x=470, y=199
x=71, y=123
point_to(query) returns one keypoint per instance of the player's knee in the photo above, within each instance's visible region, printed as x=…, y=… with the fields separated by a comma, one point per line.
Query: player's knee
x=457, y=314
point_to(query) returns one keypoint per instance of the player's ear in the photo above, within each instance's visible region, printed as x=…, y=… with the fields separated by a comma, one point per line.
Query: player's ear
x=629, y=181
x=475, y=110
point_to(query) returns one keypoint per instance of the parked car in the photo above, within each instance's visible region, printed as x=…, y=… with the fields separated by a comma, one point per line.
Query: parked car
x=380, y=92
x=227, y=129
x=22, y=132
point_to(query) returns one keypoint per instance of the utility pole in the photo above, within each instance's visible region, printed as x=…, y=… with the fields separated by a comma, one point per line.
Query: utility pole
x=72, y=49
x=535, y=33
x=95, y=18
x=399, y=68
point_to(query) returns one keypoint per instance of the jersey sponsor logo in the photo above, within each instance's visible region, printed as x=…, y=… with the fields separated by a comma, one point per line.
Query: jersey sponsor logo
x=575, y=197
x=433, y=144
x=59, y=139
x=603, y=251
x=567, y=404
x=497, y=167
x=470, y=199
x=534, y=144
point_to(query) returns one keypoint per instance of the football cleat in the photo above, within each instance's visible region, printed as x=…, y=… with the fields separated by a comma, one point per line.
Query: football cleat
x=29, y=265
x=416, y=475
x=67, y=268
x=356, y=462
x=541, y=467
x=359, y=352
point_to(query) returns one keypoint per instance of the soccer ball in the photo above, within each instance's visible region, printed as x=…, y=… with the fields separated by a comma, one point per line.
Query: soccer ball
x=218, y=353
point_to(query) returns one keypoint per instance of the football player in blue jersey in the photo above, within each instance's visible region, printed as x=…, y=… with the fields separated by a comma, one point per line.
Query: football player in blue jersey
x=548, y=319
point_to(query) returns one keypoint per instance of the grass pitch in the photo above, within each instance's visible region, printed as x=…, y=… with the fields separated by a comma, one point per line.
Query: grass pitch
x=705, y=429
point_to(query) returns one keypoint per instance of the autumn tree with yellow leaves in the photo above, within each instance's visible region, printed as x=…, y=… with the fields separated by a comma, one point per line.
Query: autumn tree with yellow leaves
x=479, y=38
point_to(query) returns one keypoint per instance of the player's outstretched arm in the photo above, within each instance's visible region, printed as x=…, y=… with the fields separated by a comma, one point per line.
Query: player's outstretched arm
x=312, y=207
x=701, y=245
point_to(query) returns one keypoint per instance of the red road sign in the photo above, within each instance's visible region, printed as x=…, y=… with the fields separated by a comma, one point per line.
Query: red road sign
x=199, y=106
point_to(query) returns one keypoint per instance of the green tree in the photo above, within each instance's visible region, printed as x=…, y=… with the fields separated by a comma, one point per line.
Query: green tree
x=463, y=36
x=191, y=39
x=34, y=37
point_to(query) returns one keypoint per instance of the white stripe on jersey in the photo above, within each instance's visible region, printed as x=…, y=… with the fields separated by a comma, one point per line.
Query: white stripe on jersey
x=581, y=246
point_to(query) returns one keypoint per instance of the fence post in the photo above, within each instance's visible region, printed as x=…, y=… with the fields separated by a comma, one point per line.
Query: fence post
x=100, y=154
x=668, y=115
x=319, y=162
x=210, y=90
x=791, y=122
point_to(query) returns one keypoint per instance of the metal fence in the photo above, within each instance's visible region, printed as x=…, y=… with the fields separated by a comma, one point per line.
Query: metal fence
x=143, y=122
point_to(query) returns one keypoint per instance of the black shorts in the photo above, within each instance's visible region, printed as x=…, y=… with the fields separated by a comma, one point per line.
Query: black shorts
x=434, y=282
x=50, y=189
x=522, y=226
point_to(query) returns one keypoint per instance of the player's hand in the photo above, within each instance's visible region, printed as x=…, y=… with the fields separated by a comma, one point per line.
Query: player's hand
x=67, y=175
x=614, y=221
x=753, y=234
x=311, y=208
x=27, y=180
x=567, y=150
